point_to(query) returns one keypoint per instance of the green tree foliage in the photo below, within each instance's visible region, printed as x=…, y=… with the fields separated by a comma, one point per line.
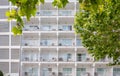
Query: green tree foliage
x=98, y=23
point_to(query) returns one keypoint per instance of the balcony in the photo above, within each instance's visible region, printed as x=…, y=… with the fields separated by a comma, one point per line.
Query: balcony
x=48, y=42
x=66, y=70
x=66, y=12
x=66, y=55
x=30, y=55
x=116, y=71
x=30, y=70
x=83, y=72
x=30, y=43
x=81, y=57
x=65, y=27
x=48, y=12
x=65, y=42
x=48, y=55
x=48, y=27
x=31, y=28
x=49, y=70
x=102, y=72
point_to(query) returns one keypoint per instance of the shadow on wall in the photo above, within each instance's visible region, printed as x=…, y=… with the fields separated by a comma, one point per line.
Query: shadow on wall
x=1, y=73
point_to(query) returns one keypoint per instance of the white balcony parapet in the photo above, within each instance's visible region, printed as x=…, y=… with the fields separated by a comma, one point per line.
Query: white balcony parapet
x=48, y=27
x=31, y=28
x=48, y=12
x=30, y=43
x=65, y=27
x=66, y=13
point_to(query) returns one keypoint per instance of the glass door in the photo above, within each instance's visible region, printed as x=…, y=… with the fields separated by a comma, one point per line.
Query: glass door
x=81, y=71
x=116, y=72
x=101, y=71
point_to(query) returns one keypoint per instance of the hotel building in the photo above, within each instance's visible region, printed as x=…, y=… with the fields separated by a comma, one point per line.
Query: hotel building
x=48, y=45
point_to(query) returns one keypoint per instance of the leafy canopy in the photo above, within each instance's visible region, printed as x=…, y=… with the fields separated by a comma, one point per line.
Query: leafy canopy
x=98, y=23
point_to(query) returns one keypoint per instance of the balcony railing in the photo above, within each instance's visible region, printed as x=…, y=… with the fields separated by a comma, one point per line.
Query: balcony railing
x=47, y=59
x=48, y=72
x=83, y=72
x=65, y=60
x=54, y=13
x=65, y=42
x=30, y=72
x=48, y=12
x=31, y=28
x=65, y=27
x=47, y=42
x=66, y=12
x=30, y=42
x=48, y=28
x=30, y=57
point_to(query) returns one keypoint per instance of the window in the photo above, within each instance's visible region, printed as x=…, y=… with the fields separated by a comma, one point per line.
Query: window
x=65, y=13
x=65, y=42
x=78, y=43
x=46, y=28
x=81, y=71
x=69, y=56
x=65, y=27
x=46, y=42
x=101, y=71
x=116, y=71
x=67, y=71
x=81, y=57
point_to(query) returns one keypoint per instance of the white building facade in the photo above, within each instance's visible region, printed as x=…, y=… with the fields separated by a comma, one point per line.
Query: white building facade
x=48, y=45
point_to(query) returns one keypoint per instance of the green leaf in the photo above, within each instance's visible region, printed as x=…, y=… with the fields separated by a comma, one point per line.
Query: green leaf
x=11, y=14
x=60, y=3
x=23, y=1
x=42, y=1
x=16, y=30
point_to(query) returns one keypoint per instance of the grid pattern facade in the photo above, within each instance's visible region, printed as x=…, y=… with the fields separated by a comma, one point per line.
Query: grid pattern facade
x=48, y=45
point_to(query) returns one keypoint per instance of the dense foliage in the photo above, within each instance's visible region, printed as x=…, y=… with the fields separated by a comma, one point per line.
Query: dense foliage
x=98, y=23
